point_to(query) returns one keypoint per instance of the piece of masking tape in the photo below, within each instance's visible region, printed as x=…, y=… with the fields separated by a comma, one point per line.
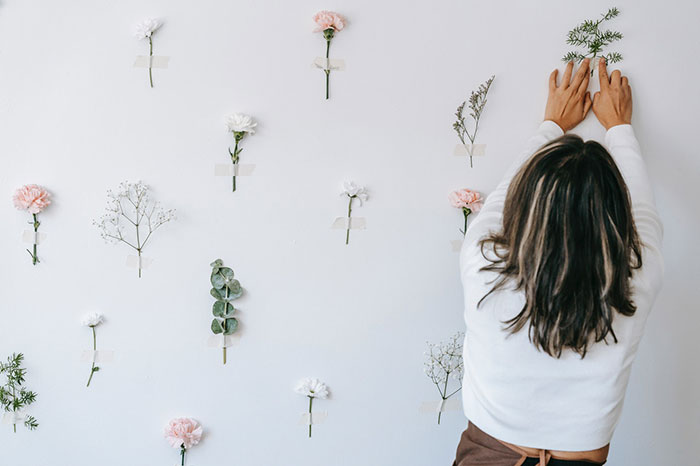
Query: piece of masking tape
x=138, y=262
x=316, y=417
x=465, y=150
x=13, y=417
x=356, y=223
x=457, y=244
x=223, y=341
x=330, y=64
x=234, y=169
x=95, y=356
x=143, y=61
x=451, y=404
x=33, y=237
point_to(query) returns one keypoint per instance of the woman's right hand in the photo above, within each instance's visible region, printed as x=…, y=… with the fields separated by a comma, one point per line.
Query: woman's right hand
x=612, y=105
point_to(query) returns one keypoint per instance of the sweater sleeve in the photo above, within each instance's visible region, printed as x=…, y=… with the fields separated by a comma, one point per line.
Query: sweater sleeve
x=624, y=149
x=489, y=217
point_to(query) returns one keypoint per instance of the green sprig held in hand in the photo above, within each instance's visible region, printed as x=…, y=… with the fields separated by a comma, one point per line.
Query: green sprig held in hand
x=13, y=396
x=589, y=36
x=225, y=289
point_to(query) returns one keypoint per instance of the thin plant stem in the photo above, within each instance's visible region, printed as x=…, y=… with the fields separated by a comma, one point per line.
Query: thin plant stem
x=447, y=378
x=182, y=454
x=328, y=71
x=14, y=410
x=347, y=231
x=224, y=330
x=235, y=162
x=150, y=60
x=35, y=257
x=311, y=401
x=94, y=348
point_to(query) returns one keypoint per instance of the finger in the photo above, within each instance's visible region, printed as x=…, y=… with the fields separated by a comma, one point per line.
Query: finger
x=603, y=74
x=583, y=87
x=625, y=81
x=581, y=73
x=616, y=78
x=596, y=99
x=566, y=80
x=553, y=80
x=587, y=104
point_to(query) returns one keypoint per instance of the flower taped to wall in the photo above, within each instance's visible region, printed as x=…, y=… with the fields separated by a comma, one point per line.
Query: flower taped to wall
x=477, y=102
x=183, y=434
x=145, y=30
x=328, y=22
x=312, y=389
x=33, y=199
x=593, y=40
x=445, y=368
x=14, y=396
x=468, y=201
x=92, y=320
x=225, y=289
x=353, y=192
x=131, y=218
x=240, y=125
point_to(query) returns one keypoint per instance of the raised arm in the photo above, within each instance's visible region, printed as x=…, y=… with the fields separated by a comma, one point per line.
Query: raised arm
x=568, y=104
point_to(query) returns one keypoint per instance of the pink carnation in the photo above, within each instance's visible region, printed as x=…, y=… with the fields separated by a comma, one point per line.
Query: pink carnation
x=32, y=198
x=328, y=20
x=466, y=198
x=183, y=432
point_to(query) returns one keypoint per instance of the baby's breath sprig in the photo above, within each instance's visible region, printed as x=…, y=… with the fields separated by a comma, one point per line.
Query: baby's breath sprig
x=589, y=35
x=444, y=360
x=477, y=102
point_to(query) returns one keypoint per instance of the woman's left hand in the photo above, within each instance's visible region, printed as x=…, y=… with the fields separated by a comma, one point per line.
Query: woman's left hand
x=569, y=102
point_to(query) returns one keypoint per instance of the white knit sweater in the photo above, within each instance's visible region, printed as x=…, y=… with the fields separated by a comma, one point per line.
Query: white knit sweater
x=521, y=395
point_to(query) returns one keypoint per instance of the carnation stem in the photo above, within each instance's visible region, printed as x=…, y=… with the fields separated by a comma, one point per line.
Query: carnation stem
x=182, y=454
x=347, y=232
x=328, y=71
x=466, y=212
x=234, y=158
x=94, y=348
x=150, y=60
x=311, y=401
x=35, y=258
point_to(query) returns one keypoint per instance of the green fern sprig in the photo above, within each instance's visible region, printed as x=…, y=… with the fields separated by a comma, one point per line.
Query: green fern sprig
x=589, y=35
x=13, y=396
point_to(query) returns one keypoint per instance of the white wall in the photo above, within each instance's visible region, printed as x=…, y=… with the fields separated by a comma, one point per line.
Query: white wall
x=77, y=118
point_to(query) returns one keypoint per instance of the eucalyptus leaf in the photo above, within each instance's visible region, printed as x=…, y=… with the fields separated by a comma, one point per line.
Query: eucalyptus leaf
x=221, y=308
x=227, y=272
x=217, y=281
x=216, y=294
x=231, y=326
x=216, y=327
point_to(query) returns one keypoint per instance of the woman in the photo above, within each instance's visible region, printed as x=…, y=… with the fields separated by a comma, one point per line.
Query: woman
x=560, y=271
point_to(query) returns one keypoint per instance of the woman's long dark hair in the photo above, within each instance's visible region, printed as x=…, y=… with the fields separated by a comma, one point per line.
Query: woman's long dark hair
x=569, y=242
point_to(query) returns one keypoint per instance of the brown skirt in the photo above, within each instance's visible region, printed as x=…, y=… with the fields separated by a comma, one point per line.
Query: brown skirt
x=477, y=448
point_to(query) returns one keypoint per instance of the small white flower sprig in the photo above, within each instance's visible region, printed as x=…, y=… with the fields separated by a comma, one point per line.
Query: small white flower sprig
x=92, y=320
x=477, y=102
x=352, y=191
x=445, y=360
x=312, y=388
x=131, y=204
x=145, y=30
x=239, y=124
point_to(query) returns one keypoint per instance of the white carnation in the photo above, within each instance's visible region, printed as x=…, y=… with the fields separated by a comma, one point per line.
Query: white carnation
x=241, y=123
x=92, y=319
x=351, y=189
x=313, y=388
x=146, y=28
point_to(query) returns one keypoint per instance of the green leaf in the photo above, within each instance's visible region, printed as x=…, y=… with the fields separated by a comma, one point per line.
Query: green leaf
x=231, y=326
x=221, y=308
x=216, y=294
x=234, y=290
x=216, y=327
x=227, y=272
x=217, y=281
x=217, y=263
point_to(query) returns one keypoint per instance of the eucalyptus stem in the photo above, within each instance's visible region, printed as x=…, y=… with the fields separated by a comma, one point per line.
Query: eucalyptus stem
x=311, y=401
x=150, y=60
x=347, y=232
